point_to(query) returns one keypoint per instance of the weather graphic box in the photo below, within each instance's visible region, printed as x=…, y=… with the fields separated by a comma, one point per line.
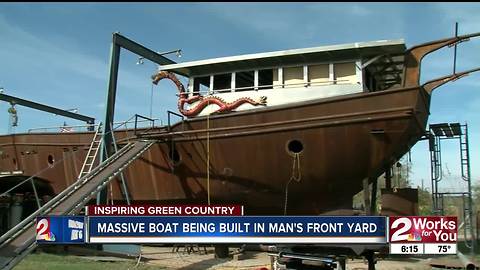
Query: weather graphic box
x=423, y=235
x=60, y=230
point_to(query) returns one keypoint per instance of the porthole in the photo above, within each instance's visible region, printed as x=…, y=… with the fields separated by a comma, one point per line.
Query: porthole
x=295, y=147
x=50, y=160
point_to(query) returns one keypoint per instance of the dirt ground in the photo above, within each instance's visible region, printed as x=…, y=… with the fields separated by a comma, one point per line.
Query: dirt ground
x=165, y=258
x=157, y=257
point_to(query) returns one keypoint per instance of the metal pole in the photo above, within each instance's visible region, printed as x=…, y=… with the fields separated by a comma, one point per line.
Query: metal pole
x=36, y=194
x=455, y=49
x=122, y=178
x=45, y=108
x=373, y=204
x=109, y=111
x=118, y=42
x=470, y=202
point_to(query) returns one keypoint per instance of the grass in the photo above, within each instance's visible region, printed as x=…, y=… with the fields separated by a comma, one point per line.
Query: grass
x=53, y=262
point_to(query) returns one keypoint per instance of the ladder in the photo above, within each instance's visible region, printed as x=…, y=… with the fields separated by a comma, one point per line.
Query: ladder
x=92, y=152
x=467, y=200
x=464, y=154
x=436, y=171
x=436, y=158
x=20, y=240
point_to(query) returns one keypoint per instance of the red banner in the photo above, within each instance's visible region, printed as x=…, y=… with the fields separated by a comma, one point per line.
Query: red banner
x=164, y=210
x=432, y=229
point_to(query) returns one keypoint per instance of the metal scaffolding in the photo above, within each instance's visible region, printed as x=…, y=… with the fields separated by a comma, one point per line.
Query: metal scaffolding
x=436, y=134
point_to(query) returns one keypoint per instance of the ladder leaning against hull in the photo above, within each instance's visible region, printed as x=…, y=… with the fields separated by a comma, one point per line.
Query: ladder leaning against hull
x=20, y=240
x=92, y=152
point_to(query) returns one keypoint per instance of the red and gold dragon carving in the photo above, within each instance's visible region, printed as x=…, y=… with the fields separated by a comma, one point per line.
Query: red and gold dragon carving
x=203, y=101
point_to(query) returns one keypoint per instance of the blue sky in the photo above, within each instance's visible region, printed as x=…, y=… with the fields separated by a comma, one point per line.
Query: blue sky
x=58, y=53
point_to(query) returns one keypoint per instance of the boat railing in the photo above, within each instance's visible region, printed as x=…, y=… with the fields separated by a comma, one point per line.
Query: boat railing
x=116, y=125
x=145, y=119
x=84, y=128
x=169, y=113
x=271, y=86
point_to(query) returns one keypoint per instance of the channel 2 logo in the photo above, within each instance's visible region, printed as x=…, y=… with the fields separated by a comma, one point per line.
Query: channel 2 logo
x=60, y=229
x=417, y=229
x=44, y=230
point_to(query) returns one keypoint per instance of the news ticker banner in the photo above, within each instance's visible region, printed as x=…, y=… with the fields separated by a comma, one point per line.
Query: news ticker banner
x=216, y=229
x=226, y=224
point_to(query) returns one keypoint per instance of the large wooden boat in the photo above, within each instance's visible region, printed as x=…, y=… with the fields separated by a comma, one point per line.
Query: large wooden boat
x=293, y=131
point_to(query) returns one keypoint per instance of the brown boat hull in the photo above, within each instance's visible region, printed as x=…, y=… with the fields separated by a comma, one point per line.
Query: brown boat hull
x=345, y=140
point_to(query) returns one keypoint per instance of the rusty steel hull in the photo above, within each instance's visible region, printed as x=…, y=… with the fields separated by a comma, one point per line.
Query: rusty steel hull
x=345, y=139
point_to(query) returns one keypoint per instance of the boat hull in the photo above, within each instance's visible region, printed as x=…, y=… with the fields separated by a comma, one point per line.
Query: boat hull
x=344, y=140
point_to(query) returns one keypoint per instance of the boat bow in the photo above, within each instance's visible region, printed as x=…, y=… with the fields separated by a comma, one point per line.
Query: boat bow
x=414, y=56
x=435, y=83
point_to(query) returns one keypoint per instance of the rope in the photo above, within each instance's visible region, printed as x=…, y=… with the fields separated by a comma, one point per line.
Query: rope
x=111, y=193
x=296, y=176
x=208, y=153
x=151, y=101
x=35, y=175
x=138, y=261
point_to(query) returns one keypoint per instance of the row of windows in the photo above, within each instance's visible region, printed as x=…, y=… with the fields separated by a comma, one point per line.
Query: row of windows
x=342, y=73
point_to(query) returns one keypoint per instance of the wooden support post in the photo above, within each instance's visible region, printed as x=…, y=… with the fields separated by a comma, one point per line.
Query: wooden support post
x=366, y=196
x=221, y=251
x=341, y=263
x=371, y=260
x=388, y=178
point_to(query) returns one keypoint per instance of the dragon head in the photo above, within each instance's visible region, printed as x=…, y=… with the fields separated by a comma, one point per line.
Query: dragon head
x=159, y=76
x=262, y=100
x=168, y=75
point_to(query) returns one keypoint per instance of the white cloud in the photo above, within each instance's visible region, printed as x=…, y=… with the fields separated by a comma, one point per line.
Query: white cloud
x=46, y=70
x=311, y=24
x=359, y=10
x=466, y=14
x=20, y=46
x=264, y=18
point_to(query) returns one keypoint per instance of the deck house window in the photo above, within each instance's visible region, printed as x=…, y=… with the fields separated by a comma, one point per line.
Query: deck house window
x=244, y=80
x=201, y=84
x=293, y=76
x=318, y=74
x=345, y=73
x=222, y=81
x=265, y=78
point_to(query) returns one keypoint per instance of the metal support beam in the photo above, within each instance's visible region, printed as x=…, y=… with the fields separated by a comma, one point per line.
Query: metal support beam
x=388, y=178
x=366, y=64
x=46, y=108
x=107, y=140
x=373, y=201
x=141, y=50
x=118, y=42
x=366, y=196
